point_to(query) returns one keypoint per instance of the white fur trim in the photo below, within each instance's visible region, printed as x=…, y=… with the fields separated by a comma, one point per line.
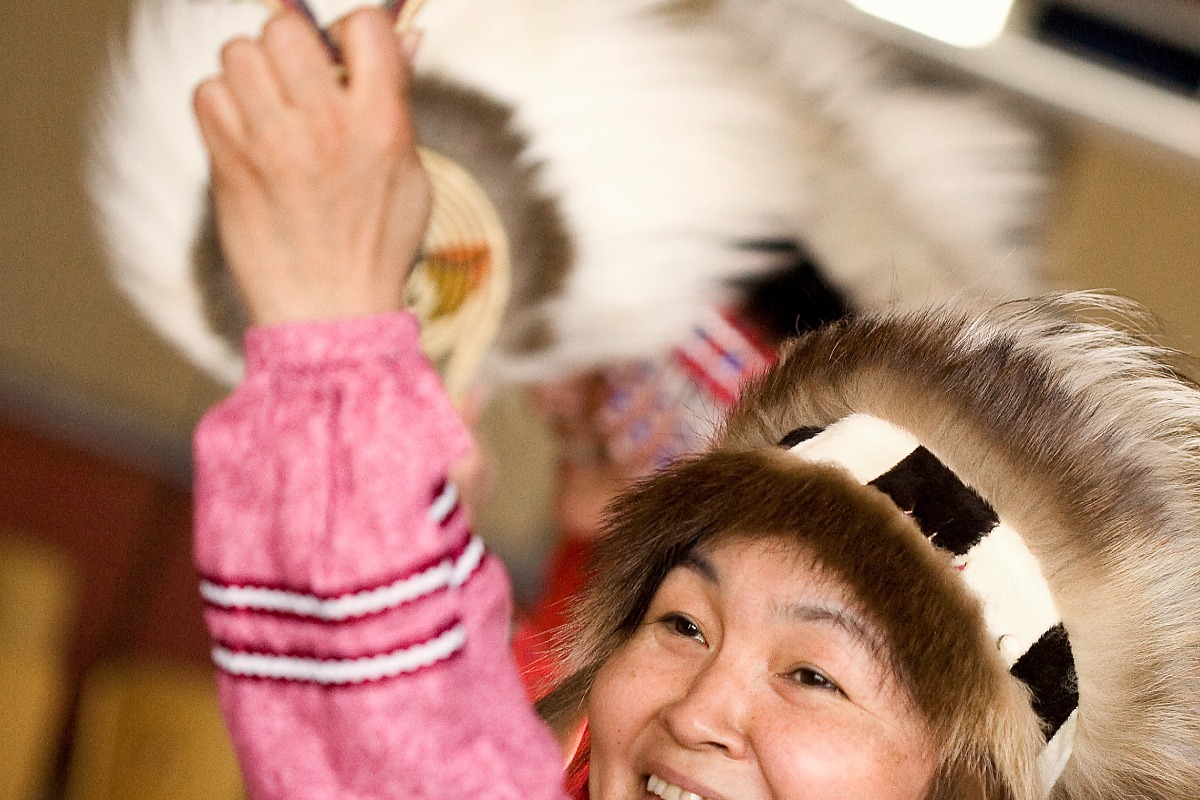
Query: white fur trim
x=866, y=446
x=1017, y=605
x=920, y=193
x=667, y=137
x=1053, y=758
x=342, y=671
x=1016, y=600
x=661, y=148
x=1000, y=570
x=148, y=170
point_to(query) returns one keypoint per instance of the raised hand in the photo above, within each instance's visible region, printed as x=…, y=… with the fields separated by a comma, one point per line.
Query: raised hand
x=320, y=197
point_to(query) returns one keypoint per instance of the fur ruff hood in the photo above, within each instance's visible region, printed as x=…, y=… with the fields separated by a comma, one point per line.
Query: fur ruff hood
x=1088, y=441
x=1080, y=436
x=667, y=135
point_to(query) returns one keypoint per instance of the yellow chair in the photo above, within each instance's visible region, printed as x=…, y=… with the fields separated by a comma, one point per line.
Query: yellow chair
x=36, y=609
x=151, y=731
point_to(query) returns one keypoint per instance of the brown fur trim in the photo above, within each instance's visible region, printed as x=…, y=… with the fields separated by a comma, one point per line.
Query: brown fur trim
x=1085, y=439
x=1081, y=436
x=480, y=134
x=950, y=669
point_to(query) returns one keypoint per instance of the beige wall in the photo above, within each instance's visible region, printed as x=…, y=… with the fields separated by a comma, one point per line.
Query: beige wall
x=1121, y=219
x=1129, y=220
x=61, y=324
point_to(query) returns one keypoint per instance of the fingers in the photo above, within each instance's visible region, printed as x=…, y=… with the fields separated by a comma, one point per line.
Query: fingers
x=247, y=114
x=220, y=122
x=291, y=65
x=251, y=81
x=376, y=69
x=300, y=60
x=317, y=185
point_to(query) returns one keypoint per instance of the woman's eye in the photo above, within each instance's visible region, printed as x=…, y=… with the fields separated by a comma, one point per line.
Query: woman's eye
x=807, y=676
x=682, y=626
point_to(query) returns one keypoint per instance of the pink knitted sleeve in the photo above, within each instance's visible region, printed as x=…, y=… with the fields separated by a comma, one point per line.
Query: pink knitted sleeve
x=361, y=632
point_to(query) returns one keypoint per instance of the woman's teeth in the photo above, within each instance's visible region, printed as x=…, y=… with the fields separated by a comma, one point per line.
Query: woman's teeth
x=669, y=791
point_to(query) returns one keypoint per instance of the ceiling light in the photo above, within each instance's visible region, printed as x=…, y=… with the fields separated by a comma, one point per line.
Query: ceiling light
x=965, y=23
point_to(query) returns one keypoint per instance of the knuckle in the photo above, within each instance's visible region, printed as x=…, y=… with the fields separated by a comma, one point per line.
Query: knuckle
x=232, y=173
x=362, y=24
x=230, y=165
x=386, y=131
x=331, y=140
x=298, y=153
x=277, y=150
x=217, y=122
x=386, y=140
x=367, y=18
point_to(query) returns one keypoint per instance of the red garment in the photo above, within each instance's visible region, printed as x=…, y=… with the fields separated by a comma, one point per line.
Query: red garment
x=534, y=635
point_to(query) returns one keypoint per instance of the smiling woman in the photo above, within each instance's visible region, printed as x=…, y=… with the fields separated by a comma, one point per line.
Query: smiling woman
x=813, y=628
x=927, y=558
x=942, y=556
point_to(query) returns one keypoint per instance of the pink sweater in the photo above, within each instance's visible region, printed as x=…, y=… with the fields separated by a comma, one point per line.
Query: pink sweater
x=361, y=633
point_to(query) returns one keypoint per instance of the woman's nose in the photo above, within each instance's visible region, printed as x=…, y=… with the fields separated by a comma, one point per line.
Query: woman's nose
x=712, y=709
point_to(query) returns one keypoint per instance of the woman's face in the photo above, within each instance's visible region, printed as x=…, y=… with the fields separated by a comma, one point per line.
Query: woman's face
x=751, y=677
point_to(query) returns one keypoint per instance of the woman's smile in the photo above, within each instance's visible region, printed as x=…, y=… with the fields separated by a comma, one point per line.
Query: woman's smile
x=670, y=791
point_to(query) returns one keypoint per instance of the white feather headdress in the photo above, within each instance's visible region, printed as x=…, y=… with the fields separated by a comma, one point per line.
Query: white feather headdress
x=668, y=133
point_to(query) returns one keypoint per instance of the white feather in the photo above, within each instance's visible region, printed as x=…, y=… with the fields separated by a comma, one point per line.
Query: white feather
x=668, y=132
x=921, y=193
x=148, y=171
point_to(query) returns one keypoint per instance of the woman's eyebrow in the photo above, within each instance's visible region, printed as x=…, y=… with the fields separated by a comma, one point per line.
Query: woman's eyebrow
x=702, y=566
x=838, y=617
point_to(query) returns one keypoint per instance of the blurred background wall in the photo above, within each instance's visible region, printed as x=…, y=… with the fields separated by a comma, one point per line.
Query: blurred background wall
x=97, y=595
x=94, y=511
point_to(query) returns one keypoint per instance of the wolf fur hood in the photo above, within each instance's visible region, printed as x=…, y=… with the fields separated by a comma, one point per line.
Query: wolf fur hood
x=1082, y=438
x=647, y=155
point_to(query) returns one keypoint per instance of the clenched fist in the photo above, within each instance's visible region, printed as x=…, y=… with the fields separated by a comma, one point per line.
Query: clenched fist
x=320, y=198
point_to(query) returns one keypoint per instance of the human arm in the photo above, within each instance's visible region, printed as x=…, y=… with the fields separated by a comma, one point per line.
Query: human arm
x=361, y=642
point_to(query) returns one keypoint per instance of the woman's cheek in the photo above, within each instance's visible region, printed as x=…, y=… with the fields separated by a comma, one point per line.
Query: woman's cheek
x=624, y=697
x=810, y=753
x=822, y=754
